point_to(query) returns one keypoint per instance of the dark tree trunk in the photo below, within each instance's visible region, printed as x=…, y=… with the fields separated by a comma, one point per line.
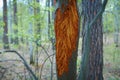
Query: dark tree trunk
x=15, y=21
x=53, y=5
x=15, y=11
x=67, y=17
x=92, y=67
x=5, y=20
x=49, y=22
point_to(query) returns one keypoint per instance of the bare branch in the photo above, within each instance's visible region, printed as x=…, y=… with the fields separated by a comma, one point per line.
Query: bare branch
x=10, y=60
x=44, y=63
x=24, y=62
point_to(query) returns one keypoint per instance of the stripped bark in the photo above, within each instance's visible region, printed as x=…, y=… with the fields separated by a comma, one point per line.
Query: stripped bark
x=66, y=33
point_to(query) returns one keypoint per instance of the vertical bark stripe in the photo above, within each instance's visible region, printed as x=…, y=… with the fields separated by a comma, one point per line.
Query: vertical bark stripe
x=66, y=32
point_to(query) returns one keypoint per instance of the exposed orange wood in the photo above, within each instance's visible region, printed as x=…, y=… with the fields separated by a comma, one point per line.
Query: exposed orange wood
x=66, y=32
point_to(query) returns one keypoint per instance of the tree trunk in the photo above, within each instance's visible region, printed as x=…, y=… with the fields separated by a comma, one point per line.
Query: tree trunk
x=92, y=46
x=66, y=33
x=50, y=38
x=31, y=32
x=10, y=21
x=37, y=22
x=15, y=21
x=49, y=22
x=37, y=32
x=5, y=20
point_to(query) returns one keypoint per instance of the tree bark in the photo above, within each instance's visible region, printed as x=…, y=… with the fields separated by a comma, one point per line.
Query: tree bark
x=5, y=20
x=15, y=21
x=66, y=33
x=49, y=21
x=37, y=32
x=10, y=21
x=37, y=21
x=31, y=32
x=92, y=47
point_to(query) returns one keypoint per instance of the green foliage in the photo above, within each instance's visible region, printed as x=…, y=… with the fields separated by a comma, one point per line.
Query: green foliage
x=111, y=59
x=108, y=23
x=50, y=9
x=109, y=18
x=1, y=28
x=111, y=54
x=2, y=23
x=79, y=1
x=35, y=4
x=25, y=18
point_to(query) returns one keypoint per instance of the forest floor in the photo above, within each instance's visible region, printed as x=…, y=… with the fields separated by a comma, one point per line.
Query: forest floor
x=111, y=55
x=12, y=68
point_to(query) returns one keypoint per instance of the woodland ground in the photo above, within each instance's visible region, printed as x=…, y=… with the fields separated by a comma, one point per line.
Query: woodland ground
x=11, y=67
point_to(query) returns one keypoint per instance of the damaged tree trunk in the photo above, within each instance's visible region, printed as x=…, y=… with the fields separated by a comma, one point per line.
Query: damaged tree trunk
x=67, y=36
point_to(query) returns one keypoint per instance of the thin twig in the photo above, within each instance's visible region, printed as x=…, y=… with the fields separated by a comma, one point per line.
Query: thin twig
x=44, y=63
x=10, y=60
x=46, y=52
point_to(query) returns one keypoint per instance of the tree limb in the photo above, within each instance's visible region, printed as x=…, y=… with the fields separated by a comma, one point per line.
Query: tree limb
x=98, y=14
x=24, y=62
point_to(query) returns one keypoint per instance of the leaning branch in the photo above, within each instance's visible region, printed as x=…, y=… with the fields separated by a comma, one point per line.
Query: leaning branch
x=24, y=62
x=99, y=14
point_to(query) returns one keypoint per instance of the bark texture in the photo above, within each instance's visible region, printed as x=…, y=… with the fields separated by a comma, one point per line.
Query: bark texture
x=15, y=21
x=91, y=69
x=5, y=20
x=66, y=33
